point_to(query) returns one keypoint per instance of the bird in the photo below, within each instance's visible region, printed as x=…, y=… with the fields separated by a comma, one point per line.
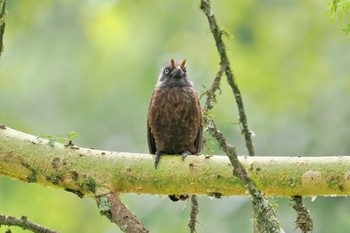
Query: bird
x=174, y=120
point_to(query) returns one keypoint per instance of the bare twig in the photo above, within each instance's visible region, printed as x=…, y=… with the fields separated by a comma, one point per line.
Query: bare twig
x=225, y=65
x=211, y=92
x=114, y=209
x=2, y=23
x=25, y=224
x=304, y=221
x=194, y=213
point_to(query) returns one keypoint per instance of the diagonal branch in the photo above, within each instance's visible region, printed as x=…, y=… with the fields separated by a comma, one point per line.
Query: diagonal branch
x=225, y=65
x=264, y=215
x=25, y=224
x=114, y=209
x=211, y=92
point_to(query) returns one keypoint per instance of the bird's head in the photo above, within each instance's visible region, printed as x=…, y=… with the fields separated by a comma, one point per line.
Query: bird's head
x=173, y=74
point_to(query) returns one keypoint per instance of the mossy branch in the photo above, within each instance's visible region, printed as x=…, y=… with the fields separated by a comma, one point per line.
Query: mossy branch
x=226, y=68
x=304, y=221
x=115, y=210
x=91, y=173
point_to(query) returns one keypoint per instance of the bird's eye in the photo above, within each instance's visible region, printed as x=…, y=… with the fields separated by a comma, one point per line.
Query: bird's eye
x=166, y=71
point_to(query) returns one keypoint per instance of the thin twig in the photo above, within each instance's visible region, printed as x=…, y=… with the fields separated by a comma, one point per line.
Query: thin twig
x=2, y=23
x=194, y=213
x=25, y=224
x=304, y=221
x=114, y=209
x=211, y=92
x=225, y=63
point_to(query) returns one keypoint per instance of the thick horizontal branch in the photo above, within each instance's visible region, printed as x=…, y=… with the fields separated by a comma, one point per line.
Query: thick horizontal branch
x=88, y=172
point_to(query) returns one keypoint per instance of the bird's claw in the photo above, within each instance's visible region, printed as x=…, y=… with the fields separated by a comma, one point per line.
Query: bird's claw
x=159, y=153
x=156, y=159
x=184, y=154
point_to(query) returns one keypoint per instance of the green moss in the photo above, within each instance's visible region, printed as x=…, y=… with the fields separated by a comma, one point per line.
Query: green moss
x=90, y=184
x=54, y=178
x=74, y=175
x=336, y=183
x=132, y=179
x=55, y=163
x=31, y=178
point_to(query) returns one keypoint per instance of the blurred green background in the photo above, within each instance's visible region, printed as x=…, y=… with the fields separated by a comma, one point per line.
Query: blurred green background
x=90, y=66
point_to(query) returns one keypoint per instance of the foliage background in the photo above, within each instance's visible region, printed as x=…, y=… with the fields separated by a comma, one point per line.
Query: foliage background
x=90, y=66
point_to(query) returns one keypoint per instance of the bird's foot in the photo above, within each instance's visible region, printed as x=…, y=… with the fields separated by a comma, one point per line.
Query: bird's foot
x=181, y=197
x=156, y=159
x=184, y=154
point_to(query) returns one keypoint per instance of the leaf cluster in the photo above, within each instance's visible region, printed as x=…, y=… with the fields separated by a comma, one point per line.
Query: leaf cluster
x=339, y=7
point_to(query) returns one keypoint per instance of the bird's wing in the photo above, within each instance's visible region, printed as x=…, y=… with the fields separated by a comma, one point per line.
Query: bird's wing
x=199, y=138
x=150, y=138
x=151, y=142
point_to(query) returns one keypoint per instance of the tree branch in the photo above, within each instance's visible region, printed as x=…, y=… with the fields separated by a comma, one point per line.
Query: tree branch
x=304, y=221
x=32, y=159
x=265, y=217
x=264, y=214
x=90, y=173
x=113, y=208
x=211, y=92
x=24, y=223
x=194, y=213
x=226, y=67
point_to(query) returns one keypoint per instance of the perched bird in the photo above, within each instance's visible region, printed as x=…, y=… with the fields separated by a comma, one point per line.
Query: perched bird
x=174, y=121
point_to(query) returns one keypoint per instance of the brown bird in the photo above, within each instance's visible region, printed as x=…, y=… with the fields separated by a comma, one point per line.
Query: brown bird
x=174, y=122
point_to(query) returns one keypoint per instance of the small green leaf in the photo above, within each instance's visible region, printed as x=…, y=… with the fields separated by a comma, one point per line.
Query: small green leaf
x=346, y=30
x=59, y=138
x=72, y=135
x=339, y=7
x=227, y=34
